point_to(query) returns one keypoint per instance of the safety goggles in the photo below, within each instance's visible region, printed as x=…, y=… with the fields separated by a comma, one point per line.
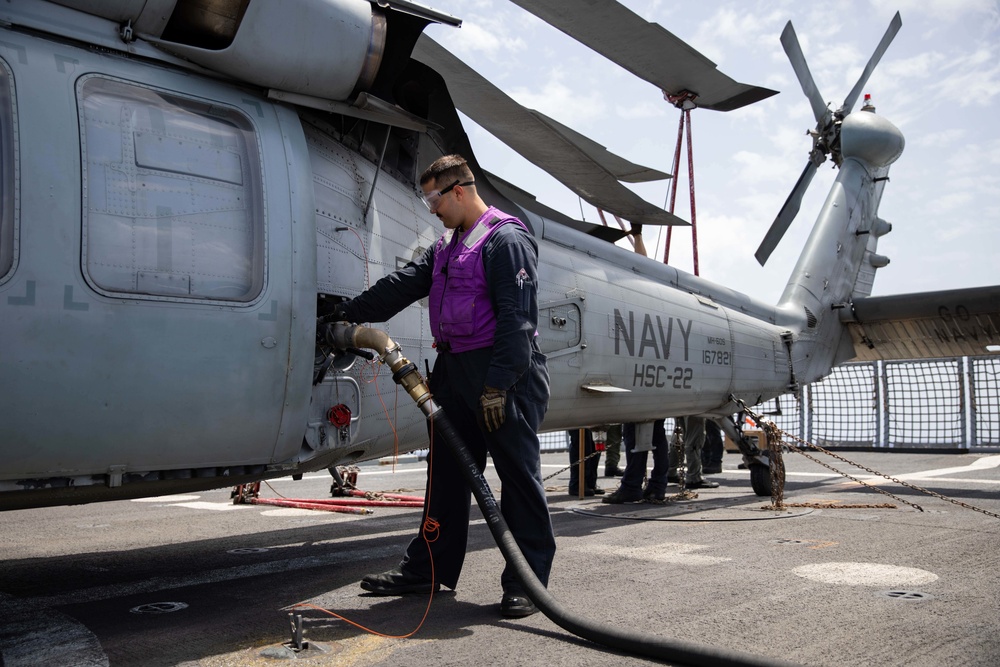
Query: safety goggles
x=432, y=198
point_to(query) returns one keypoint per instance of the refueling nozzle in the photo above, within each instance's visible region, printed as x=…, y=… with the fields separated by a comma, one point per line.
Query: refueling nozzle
x=346, y=336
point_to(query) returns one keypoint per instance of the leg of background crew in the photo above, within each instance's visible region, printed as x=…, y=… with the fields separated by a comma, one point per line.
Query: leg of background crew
x=657, y=485
x=671, y=425
x=694, y=442
x=630, y=489
x=592, y=464
x=711, y=455
x=613, y=452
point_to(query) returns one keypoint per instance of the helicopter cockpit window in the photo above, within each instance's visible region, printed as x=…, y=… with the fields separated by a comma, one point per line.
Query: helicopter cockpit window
x=171, y=195
x=7, y=191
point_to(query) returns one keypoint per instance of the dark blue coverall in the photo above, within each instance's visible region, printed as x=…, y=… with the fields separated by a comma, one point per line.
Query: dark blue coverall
x=514, y=363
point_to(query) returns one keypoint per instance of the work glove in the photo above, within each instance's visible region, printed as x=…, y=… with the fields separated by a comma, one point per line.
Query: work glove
x=338, y=314
x=493, y=403
x=326, y=324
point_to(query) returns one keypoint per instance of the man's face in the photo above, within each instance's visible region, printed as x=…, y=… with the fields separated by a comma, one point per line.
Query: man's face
x=442, y=200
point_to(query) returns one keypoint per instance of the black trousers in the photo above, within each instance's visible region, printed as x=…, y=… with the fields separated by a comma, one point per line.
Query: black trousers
x=711, y=455
x=457, y=383
x=635, y=466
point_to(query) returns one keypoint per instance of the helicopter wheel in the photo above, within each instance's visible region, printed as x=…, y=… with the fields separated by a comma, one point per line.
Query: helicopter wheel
x=760, y=477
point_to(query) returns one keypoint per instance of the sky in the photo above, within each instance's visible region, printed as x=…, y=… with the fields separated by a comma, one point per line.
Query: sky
x=939, y=83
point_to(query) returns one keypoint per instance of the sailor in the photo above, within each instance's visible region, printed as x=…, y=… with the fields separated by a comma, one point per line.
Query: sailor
x=613, y=452
x=694, y=441
x=489, y=377
x=631, y=489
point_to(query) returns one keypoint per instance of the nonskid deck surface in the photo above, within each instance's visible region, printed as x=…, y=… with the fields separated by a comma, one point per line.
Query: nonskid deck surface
x=195, y=580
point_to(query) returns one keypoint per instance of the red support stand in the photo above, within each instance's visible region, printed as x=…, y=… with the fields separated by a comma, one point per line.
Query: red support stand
x=684, y=102
x=348, y=500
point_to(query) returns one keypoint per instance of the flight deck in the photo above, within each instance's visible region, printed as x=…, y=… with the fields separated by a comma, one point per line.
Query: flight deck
x=196, y=580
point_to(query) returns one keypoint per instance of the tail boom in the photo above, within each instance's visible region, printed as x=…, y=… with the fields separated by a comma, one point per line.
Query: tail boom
x=839, y=257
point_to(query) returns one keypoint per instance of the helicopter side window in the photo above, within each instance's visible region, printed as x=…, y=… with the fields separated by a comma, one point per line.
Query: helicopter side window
x=171, y=195
x=7, y=190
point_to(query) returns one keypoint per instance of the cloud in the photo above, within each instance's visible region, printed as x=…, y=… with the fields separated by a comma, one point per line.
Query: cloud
x=944, y=139
x=944, y=203
x=757, y=169
x=945, y=11
x=486, y=35
x=939, y=83
x=641, y=110
x=972, y=79
x=562, y=101
x=731, y=27
x=483, y=37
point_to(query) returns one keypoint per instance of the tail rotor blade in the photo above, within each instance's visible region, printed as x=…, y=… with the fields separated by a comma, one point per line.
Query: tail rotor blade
x=826, y=137
x=786, y=214
x=887, y=38
x=790, y=42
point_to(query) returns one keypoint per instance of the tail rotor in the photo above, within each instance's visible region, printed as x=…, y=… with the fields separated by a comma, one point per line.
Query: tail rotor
x=826, y=135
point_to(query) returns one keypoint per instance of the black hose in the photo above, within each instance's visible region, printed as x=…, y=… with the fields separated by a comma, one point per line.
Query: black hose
x=343, y=335
x=628, y=642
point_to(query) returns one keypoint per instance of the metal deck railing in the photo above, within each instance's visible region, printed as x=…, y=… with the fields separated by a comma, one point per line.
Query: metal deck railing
x=932, y=404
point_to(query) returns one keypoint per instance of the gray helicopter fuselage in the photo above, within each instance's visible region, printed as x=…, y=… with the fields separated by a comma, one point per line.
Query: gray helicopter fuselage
x=168, y=235
x=118, y=358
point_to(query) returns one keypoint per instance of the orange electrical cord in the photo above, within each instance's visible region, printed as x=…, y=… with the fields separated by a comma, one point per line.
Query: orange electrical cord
x=430, y=531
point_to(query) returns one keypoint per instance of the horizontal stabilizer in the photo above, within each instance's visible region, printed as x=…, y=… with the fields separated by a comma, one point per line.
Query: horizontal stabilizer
x=646, y=50
x=927, y=325
x=585, y=167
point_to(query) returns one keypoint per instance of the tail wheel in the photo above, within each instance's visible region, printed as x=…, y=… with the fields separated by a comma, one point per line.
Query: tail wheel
x=760, y=477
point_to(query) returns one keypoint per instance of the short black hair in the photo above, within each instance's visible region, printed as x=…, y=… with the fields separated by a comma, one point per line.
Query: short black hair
x=447, y=168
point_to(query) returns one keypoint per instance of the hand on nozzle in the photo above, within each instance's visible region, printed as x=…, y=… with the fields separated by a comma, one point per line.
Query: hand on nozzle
x=338, y=314
x=333, y=334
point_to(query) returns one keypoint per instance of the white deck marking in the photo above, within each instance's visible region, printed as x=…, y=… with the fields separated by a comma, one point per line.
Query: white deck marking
x=865, y=574
x=984, y=463
x=165, y=499
x=668, y=552
x=218, y=507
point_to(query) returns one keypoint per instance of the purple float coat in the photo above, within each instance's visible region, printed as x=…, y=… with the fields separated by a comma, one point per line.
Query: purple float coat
x=461, y=315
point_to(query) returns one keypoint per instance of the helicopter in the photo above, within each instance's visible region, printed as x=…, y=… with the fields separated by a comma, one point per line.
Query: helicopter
x=189, y=185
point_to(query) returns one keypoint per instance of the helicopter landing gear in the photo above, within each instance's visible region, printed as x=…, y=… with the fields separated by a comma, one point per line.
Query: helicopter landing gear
x=761, y=480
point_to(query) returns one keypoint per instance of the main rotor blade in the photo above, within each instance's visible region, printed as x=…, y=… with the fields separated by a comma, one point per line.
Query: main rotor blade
x=887, y=38
x=585, y=168
x=646, y=50
x=622, y=169
x=527, y=202
x=790, y=42
x=786, y=214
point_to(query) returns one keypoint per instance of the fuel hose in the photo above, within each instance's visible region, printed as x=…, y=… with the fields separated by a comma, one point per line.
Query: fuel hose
x=345, y=336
